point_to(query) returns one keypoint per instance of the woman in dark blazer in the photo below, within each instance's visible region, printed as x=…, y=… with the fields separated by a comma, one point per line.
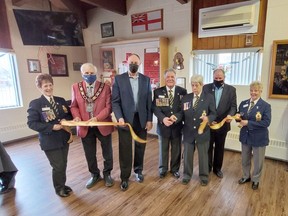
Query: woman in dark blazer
x=193, y=113
x=44, y=116
x=254, y=135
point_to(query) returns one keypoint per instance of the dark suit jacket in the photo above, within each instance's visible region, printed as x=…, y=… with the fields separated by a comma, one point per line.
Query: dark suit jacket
x=227, y=104
x=192, y=119
x=102, y=108
x=49, y=139
x=123, y=103
x=165, y=111
x=256, y=132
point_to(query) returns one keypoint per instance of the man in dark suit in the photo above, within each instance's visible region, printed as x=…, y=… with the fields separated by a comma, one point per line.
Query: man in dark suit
x=226, y=106
x=254, y=135
x=91, y=101
x=132, y=103
x=7, y=171
x=197, y=107
x=44, y=116
x=166, y=103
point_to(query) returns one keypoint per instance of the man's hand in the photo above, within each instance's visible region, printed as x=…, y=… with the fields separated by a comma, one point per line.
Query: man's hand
x=93, y=119
x=149, y=126
x=173, y=118
x=121, y=122
x=229, y=118
x=77, y=119
x=167, y=121
x=57, y=127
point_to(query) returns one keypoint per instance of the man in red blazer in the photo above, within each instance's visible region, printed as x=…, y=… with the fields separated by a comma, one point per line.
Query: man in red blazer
x=91, y=101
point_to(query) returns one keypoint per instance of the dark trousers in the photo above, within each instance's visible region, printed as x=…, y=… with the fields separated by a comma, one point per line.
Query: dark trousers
x=164, y=144
x=90, y=148
x=58, y=162
x=216, y=160
x=125, y=149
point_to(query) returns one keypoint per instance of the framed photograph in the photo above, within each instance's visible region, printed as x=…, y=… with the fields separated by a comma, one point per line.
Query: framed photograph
x=77, y=66
x=107, y=29
x=181, y=81
x=34, y=66
x=107, y=59
x=57, y=65
x=278, y=87
x=147, y=21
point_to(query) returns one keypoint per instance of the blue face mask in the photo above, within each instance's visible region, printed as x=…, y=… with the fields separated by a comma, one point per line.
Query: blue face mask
x=89, y=78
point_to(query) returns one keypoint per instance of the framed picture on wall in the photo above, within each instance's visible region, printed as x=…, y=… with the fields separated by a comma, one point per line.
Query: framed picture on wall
x=107, y=30
x=279, y=70
x=107, y=56
x=57, y=65
x=181, y=81
x=34, y=66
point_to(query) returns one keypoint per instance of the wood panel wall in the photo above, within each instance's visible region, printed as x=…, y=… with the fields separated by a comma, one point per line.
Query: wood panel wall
x=5, y=41
x=225, y=42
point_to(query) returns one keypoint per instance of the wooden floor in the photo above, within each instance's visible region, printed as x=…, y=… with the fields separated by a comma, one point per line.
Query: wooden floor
x=34, y=193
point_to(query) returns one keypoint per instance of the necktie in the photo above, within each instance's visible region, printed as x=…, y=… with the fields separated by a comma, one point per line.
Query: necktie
x=196, y=102
x=251, y=106
x=54, y=106
x=171, y=98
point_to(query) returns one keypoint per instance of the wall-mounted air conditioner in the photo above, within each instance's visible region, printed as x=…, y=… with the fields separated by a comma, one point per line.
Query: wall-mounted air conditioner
x=230, y=19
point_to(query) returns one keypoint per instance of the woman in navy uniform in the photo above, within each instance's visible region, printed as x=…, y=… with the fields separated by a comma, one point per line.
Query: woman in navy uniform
x=44, y=116
x=254, y=135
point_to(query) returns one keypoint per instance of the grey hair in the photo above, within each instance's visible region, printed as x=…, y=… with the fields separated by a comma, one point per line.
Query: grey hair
x=169, y=70
x=197, y=78
x=88, y=67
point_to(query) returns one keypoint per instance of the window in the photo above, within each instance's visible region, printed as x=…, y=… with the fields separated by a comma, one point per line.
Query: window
x=241, y=66
x=9, y=85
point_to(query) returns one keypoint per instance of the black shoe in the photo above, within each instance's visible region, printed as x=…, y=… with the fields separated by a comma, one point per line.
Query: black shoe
x=124, y=185
x=62, y=193
x=244, y=180
x=139, y=177
x=185, y=181
x=219, y=174
x=255, y=185
x=68, y=189
x=204, y=182
x=176, y=174
x=163, y=174
x=109, y=182
x=92, y=181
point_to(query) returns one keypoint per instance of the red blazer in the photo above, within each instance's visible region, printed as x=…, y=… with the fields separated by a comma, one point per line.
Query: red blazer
x=102, y=108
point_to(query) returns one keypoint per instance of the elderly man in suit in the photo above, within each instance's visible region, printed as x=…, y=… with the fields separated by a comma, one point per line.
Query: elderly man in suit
x=7, y=171
x=167, y=103
x=254, y=135
x=44, y=116
x=197, y=107
x=224, y=96
x=91, y=101
x=132, y=103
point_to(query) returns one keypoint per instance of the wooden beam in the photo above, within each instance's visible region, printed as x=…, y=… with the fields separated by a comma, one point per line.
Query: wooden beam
x=117, y=6
x=20, y=3
x=75, y=7
x=182, y=1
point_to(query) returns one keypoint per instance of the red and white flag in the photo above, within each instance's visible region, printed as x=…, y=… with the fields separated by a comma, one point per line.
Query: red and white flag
x=148, y=21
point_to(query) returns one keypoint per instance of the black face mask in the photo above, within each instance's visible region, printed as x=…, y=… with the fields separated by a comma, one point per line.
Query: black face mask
x=218, y=83
x=133, y=68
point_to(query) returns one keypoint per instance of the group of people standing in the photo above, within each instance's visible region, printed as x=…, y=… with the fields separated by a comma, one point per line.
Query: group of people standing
x=179, y=115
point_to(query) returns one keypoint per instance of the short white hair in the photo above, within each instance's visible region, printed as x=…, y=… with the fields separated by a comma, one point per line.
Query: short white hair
x=197, y=78
x=88, y=67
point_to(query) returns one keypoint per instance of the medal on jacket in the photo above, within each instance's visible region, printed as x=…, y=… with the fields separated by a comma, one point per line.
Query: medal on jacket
x=258, y=116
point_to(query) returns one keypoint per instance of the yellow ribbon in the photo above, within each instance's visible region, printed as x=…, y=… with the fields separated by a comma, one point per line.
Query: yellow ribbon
x=215, y=126
x=92, y=123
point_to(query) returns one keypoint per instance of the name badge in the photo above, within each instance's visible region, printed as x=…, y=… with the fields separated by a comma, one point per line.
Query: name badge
x=245, y=105
x=45, y=109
